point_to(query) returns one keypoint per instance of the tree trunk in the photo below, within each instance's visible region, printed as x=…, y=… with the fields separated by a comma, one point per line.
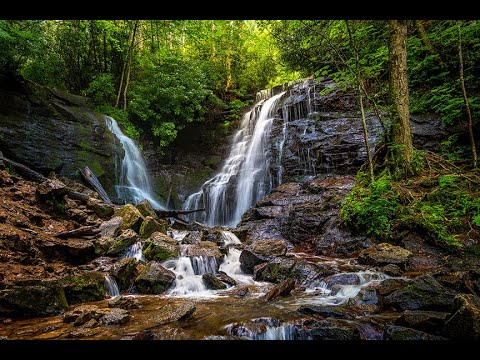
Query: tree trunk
x=129, y=68
x=465, y=99
x=428, y=44
x=93, y=181
x=402, y=150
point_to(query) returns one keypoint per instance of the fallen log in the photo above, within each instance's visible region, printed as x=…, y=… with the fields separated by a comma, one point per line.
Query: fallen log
x=92, y=180
x=175, y=213
x=80, y=232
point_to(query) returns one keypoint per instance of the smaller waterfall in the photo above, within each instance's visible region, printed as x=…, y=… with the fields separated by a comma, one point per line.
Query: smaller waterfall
x=134, y=251
x=268, y=329
x=134, y=184
x=111, y=286
x=230, y=238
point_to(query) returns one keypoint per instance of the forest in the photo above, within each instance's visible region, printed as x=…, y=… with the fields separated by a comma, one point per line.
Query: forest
x=321, y=175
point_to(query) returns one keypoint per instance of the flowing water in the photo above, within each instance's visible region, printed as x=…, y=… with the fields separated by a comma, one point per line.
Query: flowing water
x=111, y=286
x=134, y=251
x=133, y=184
x=245, y=176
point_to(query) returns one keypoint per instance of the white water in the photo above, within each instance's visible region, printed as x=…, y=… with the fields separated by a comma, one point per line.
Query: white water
x=273, y=330
x=245, y=177
x=230, y=238
x=111, y=286
x=134, y=251
x=134, y=184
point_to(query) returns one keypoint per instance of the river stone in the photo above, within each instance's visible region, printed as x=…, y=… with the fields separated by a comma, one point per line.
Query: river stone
x=212, y=282
x=428, y=321
x=83, y=287
x=324, y=311
x=269, y=247
x=123, y=302
x=151, y=225
x=342, y=279
x=385, y=254
x=124, y=272
x=112, y=227
x=154, y=279
x=464, y=324
x=422, y=293
x=82, y=312
x=121, y=243
x=392, y=270
x=387, y=286
x=146, y=208
x=226, y=279
x=131, y=217
x=282, y=289
x=394, y=332
x=173, y=312
x=160, y=247
x=45, y=299
x=115, y=316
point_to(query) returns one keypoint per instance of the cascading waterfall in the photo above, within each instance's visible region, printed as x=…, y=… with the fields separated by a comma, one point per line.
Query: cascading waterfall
x=245, y=176
x=111, y=286
x=135, y=251
x=133, y=185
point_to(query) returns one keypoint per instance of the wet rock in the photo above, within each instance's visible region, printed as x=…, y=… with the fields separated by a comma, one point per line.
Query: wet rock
x=75, y=251
x=151, y=225
x=392, y=270
x=193, y=237
x=102, y=244
x=425, y=257
x=131, y=217
x=327, y=330
x=428, y=321
x=226, y=279
x=123, y=302
x=81, y=314
x=92, y=323
x=324, y=311
x=280, y=269
x=256, y=329
x=394, y=332
x=112, y=227
x=115, y=316
x=387, y=286
x=100, y=208
x=248, y=261
x=154, y=279
x=145, y=335
x=124, y=272
x=51, y=188
x=83, y=287
x=464, y=324
x=342, y=279
x=212, y=282
x=269, y=247
x=121, y=243
x=282, y=289
x=422, y=293
x=452, y=279
x=44, y=298
x=265, y=229
x=385, y=254
x=173, y=312
x=146, y=208
x=337, y=241
x=205, y=249
x=160, y=247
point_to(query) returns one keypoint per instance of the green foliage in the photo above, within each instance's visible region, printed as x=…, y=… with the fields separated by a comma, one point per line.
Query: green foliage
x=57, y=206
x=452, y=150
x=101, y=89
x=371, y=209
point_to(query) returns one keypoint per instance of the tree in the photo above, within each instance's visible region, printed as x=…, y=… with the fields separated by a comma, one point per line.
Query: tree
x=402, y=148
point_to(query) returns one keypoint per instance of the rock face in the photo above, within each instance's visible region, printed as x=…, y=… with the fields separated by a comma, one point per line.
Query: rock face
x=50, y=131
x=154, y=279
x=84, y=287
x=464, y=324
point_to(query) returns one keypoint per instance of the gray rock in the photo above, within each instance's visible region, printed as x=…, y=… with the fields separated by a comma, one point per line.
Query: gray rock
x=464, y=324
x=154, y=279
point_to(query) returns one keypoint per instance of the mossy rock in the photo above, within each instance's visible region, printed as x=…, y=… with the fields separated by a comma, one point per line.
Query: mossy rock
x=84, y=287
x=160, y=247
x=124, y=273
x=44, y=299
x=154, y=279
x=151, y=225
x=146, y=208
x=132, y=218
x=127, y=238
x=101, y=209
x=212, y=282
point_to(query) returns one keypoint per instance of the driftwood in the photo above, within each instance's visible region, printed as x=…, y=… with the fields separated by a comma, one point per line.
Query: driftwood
x=92, y=180
x=175, y=213
x=81, y=231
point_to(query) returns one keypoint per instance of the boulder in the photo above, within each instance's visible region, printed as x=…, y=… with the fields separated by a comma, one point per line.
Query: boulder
x=248, y=261
x=131, y=217
x=151, y=225
x=124, y=302
x=282, y=289
x=121, y=243
x=112, y=227
x=173, y=312
x=388, y=286
x=269, y=247
x=46, y=298
x=82, y=314
x=124, y=272
x=205, y=249
x=100, y=208
x=342, y=279
x=327, y=330
x=83, y=287
x=154, y=279
x=102, y=244
x=324, y=311
x=146, y=208
x=464, y=324
x=212, y=282
x=385, y=254
x=51, y=188
x=394, y=332
x=115, y=316
x=392, y=270
x=429, y=321
x=160, y=247
x=226, y=279
x=422, y=293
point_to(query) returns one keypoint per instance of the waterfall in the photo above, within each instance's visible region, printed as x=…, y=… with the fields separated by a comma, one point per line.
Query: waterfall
x=230, y=238
x=133, y=185
x=245, y=176
x=111, y=286
x=134, y=251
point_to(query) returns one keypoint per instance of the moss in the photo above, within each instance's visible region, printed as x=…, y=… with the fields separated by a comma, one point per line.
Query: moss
x=157, y=253
x=85, y=287
x=151, y=225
